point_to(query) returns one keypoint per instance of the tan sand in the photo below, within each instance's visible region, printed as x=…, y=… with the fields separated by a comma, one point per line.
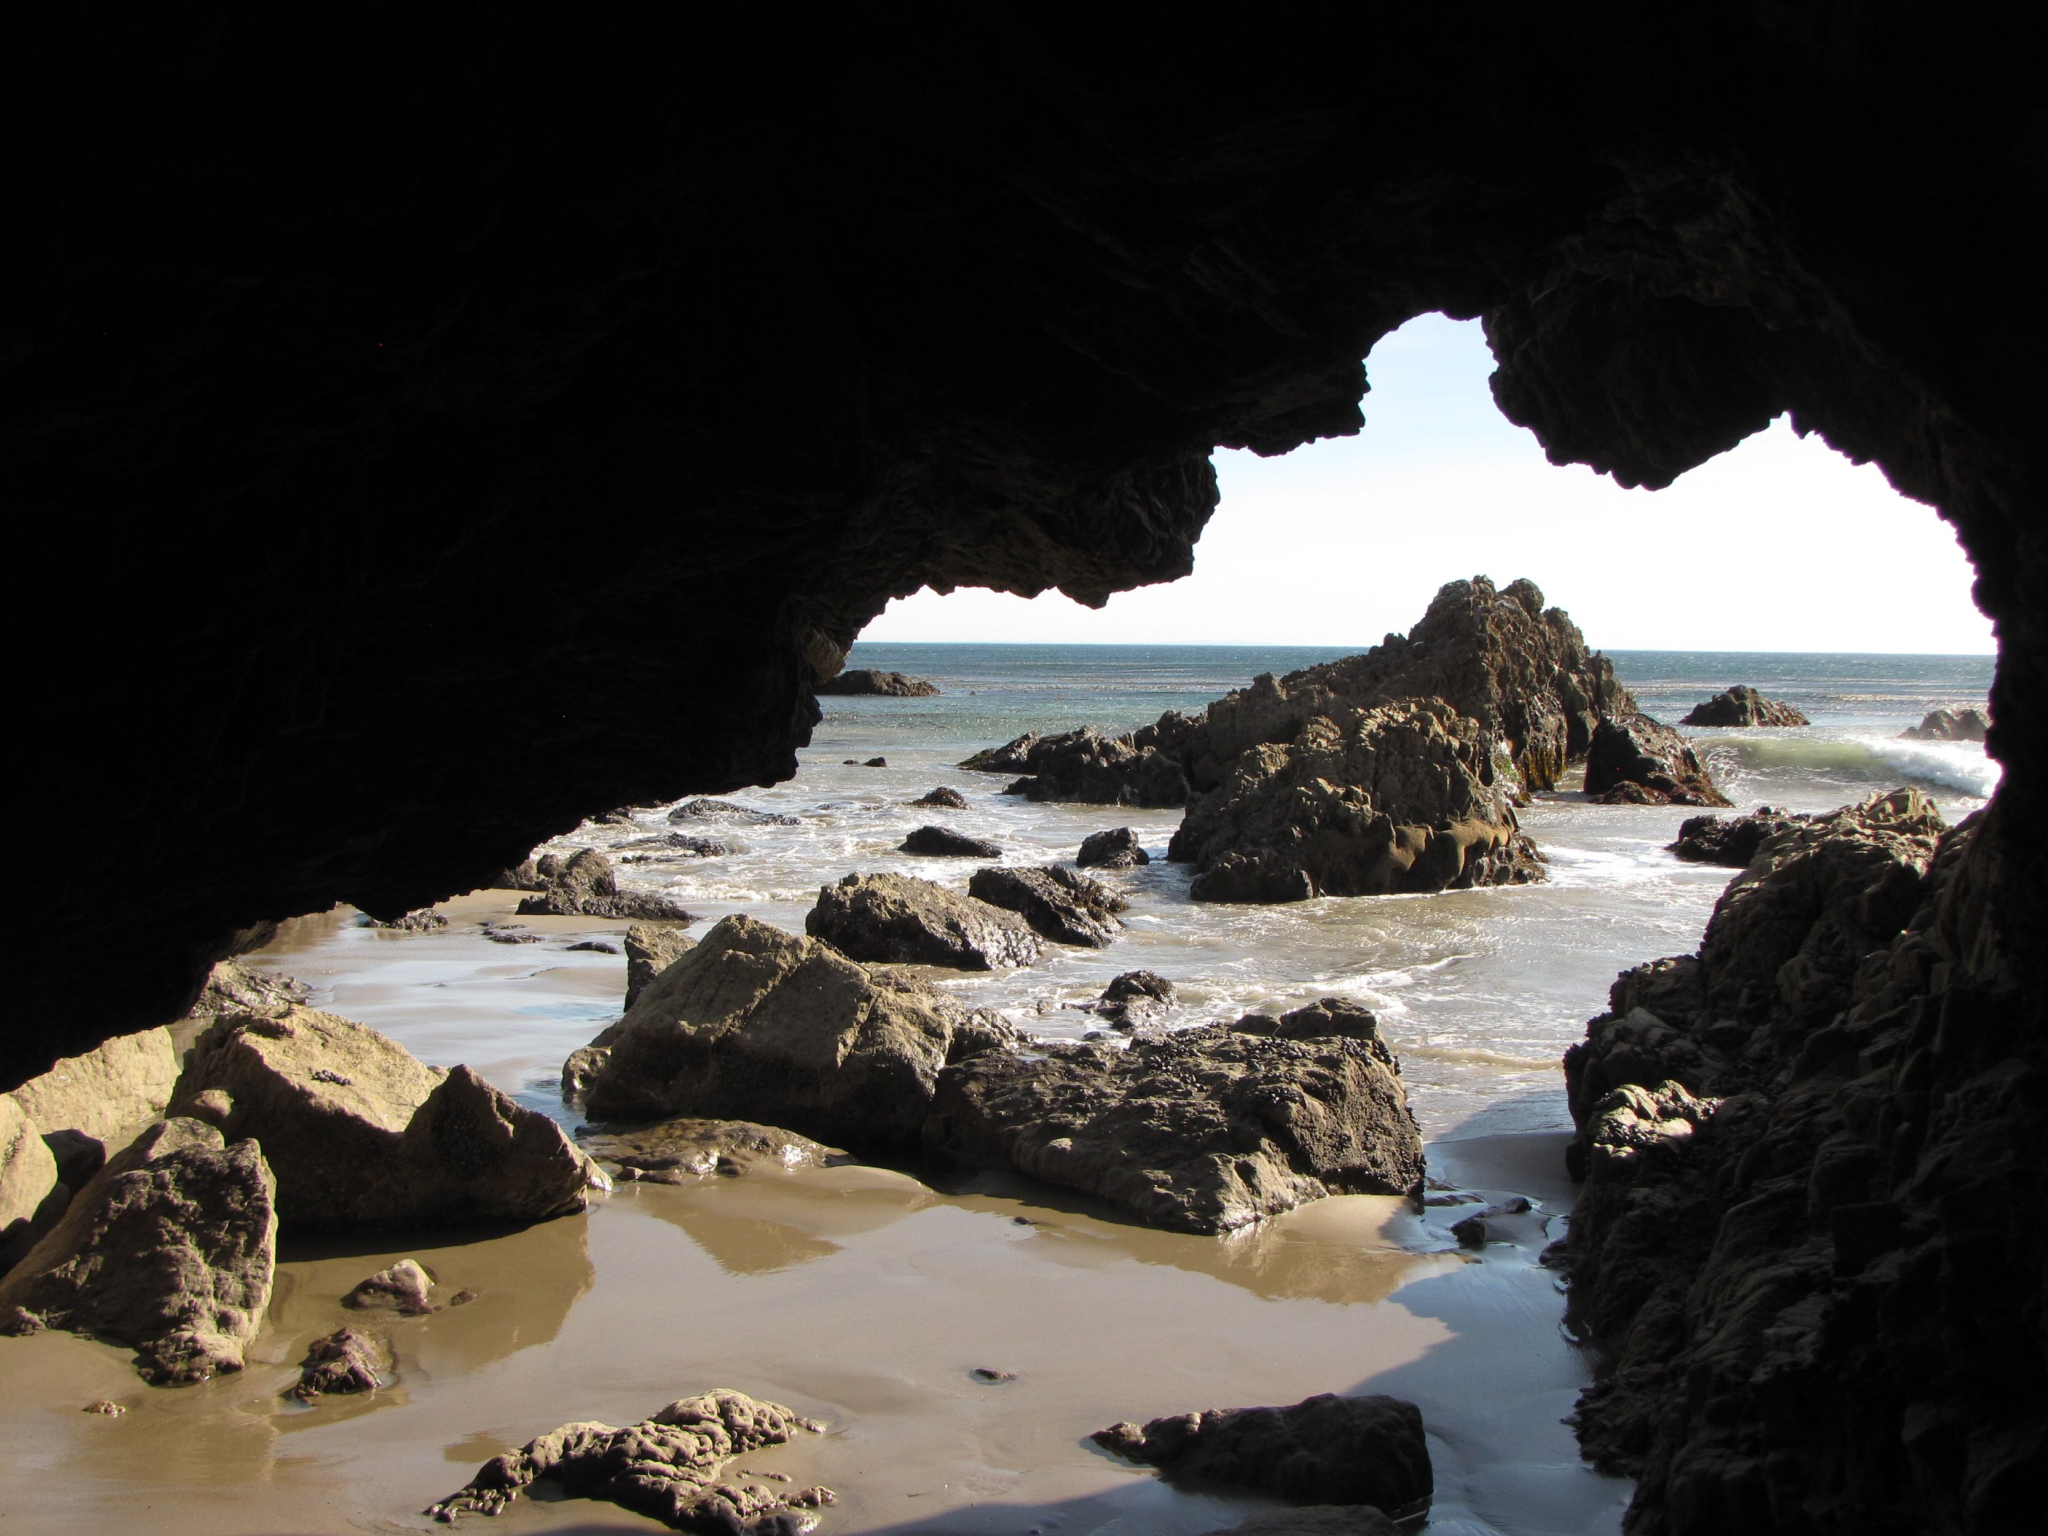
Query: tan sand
x=857, y=1295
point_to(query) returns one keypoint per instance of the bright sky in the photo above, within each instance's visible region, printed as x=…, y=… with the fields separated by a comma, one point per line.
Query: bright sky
x=1778, y=545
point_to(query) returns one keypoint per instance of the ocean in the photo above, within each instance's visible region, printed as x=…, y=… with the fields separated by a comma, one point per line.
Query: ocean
x=1479, y=991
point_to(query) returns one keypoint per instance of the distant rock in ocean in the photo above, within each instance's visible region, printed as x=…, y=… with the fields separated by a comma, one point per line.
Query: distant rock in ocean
x=867, y=681
x=1743, y=706
x=1949, y=725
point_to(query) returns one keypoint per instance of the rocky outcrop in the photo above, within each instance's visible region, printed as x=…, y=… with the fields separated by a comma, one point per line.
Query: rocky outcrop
x=425, y=920
x=1401, y=798
x=761, y=1025
x=1087, y=767
x=945, y=797
x=679, y=845
x=897, y=918
x=1743, y=706
x=1060, y=904
x=667, y=1467
x=944, y=843
x=1323, y=1450
x=703, y=808
x=1117, y=848
x=1634, y=760
x=1203, y=1130
x=1787, y=1141
x=112, y=1088
x=651, y=948
x=362, y=1134
x=584, y=886
x=1134, y=999
x=1731, y=840
x=170, y=1249
x=232, y=987
x=866, y=680
x=687, y=1150
x=28, y=1179
x=1949, y=725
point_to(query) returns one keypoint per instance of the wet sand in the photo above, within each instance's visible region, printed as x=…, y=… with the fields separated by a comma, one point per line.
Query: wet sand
x=858, y=1295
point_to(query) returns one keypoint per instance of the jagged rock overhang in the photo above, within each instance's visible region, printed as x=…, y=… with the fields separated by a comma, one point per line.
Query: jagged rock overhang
x=449, y=437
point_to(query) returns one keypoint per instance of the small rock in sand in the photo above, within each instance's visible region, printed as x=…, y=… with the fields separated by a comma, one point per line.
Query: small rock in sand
x=104, y=1406
x=347, y=1360
x=405, y=1286
x=989, y=1373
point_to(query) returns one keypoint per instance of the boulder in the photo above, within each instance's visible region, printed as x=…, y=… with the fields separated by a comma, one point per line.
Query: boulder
x=686, y=1150
x=676, y=844
x=584, y=886
x=362, y=1134
x=112, y=1088
x=1117, y=848
x=761, y=1025
x=1402, y=798
x=1323, y=1450
x=651, y=948
x=868, y=681
x=899, y=918
x=170, y=1249
x=28, y=1179
x=1730, y=840
x=706, y=809
x=1059, y=903
x=942, y=842
x=665, y=1467
x=1949, y=725
x=1087, y=767
x=405, y=1287
x=1134, y=999
x=1634, y=760
x=1743, y=706
x=345, y=1361
x=944, y=797
x=1203, y=1130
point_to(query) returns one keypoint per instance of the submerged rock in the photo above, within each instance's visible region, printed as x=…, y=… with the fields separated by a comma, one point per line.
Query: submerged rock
x=405, y=1287
x=868, y=681
x=1949, y=725
x=761, y=1025
x=1115, y=849
x=1057, y=902
x=944, y=797
x=1731, y=840
x=1406, y=797
x=665, y=1467
x=943, y=842
x=361, y=1133
x=346, y=1361
x=1743, y=706
x=584, y=886
x=679, y=844
x=1634, y=760
x=704, y=808
x=1204, y=1130
x=687, y=1149
x=170, y=1249
x=899, y=918
x=1323, y=1450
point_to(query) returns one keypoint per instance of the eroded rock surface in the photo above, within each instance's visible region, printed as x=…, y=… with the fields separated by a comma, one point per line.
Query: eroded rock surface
x=1949, y=725
x=944, y=842
x=111, y=1088
x=170, y=1249
x=1742, y=705
x=704, y=808
x=348, y=1360
x=1202, y=1130
x=1783, y=1138
x=1362, y=802
x=899, y=918
x=1634, y=760
x=1323, y=1450
x=1059, y=903
x=666, y=1467
x=405, y=1287
x=686, y=1150
x=945, y=797
x=1135, y=999
x=761, y=1025
x=867, y=680
x=651, y=948
x=584, y=886
x=28, y=1178
x=361, y=1133
x=1730, y=840
x=1117, y=848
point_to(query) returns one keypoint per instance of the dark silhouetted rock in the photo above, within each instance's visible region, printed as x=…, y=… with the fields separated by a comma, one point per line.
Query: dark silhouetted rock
x=866, y=680
x=706, y=809
x=665, y=1467
x=170, y=1249
x=1202, y=1130
x=405, y=1287
x=1402, y=798
x=1743, y=706
x=761, y=1025
x=583, y=886
x=1324, y=1450
x=686, y=1150
x=1117, y=848
x=345, y=1361
x=651, y=948
x=1636, y=761
x=591, y=947
x=944, y=797
x=1134, y=999
x=898, y=918
x=1087, y=767
x=942, y=842
x=362, y=1134
x=876, y=762
x=1059, y=903
x=1949, y=725
x=1730, y=840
